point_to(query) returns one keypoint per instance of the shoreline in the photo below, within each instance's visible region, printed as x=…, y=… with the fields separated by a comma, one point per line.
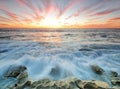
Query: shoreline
x=19, y=79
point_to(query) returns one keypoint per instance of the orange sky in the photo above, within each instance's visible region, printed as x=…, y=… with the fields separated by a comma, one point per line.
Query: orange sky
x=59, y=14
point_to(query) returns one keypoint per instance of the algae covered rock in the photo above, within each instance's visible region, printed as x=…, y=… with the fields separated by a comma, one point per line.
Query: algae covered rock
x=97, y=69
x=42, y=83
x=115, y=81
x=22, y=81
x=90, y=85
x=14, y=71
x=101, y=84
x=19, y=73
x=114, y=74
x=22, y=77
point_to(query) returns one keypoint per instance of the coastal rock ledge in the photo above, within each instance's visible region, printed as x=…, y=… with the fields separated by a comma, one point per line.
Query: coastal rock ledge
x=22, y=82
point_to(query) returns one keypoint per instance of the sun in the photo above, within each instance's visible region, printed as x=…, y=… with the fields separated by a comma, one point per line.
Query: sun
x=51, y=22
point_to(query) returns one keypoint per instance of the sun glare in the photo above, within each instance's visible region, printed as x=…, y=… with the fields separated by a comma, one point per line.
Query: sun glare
x=50, y=22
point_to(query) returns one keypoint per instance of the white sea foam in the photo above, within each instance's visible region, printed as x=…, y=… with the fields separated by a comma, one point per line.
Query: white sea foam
x=63, y=58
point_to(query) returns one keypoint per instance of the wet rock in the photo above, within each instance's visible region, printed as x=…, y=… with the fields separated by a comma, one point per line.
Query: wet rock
x=22, y=78
x=72, y=85
x=90, y=85
x=103, y=35
x=28, y=83
x=115, y=87
x=85, y=49
x=114, y=74
x=14, y=71
x=64, y=84
x=96, y=85
x=44, y=83
x=47, y=87
x=20, y=74
x=61, y=84
x=68, y=34
x=79, y=84
x=100, y=84
x=69, y=84
x=55, y=71
x=12, y=74
x=41, y=87
x=115, y=81
x=97, y=69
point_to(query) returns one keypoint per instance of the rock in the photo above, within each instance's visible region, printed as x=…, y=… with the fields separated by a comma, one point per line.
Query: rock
x=44, y=83
x=69, y=84
x=28, y=83
x=85, y=49
x=55, y=71
x=103, y=35
x=90, y=85
x=22, y=77
x=97, y=69
x=79, y=84
x=72, y=85
x=47, y=84
x=115, y=87
x=17, y=72
x=115, y=81
x=41, y=87
x=96, y=85
x=12, y=74
x=101, y=84
x=114, y=74
x=62, y=84
x=14, y=71
x=48, y=87
x=20, y=74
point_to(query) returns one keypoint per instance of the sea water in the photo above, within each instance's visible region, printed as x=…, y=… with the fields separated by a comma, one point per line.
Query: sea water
x=69, y=52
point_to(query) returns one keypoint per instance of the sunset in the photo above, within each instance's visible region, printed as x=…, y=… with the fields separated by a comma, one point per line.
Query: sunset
x=59, y=13
x=59, y=44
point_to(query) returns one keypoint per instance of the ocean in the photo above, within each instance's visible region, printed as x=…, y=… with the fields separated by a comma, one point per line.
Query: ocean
x=70, y=52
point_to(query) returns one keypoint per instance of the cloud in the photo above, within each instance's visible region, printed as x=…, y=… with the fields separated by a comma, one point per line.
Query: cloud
x=70, y=5
x=9, y=13
x=5, y=21
x=51, y=8
x=88, y=9
x=29, y=4
x=39, y=13
x=116, y=18
x=4, y=18
x=73, y=11
x=106, y=12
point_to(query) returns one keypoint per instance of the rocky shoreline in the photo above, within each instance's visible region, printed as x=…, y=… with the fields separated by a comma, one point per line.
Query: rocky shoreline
x=19, y=75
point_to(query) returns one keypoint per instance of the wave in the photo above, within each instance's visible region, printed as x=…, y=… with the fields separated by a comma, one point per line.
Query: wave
x=72, y=55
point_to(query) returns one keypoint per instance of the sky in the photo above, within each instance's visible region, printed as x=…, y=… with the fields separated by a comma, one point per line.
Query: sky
x=59, y=13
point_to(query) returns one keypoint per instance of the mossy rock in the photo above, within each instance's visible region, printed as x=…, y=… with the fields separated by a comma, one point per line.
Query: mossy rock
x=97, y=69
